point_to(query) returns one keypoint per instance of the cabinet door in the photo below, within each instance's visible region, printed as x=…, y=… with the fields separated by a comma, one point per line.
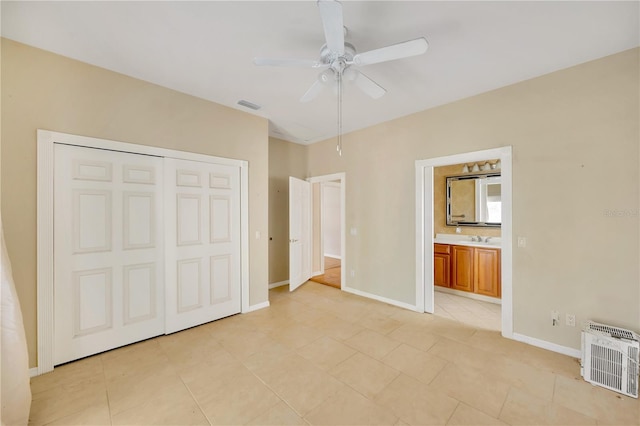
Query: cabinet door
x=486, y=272
x=462, y=268
x=441, y=268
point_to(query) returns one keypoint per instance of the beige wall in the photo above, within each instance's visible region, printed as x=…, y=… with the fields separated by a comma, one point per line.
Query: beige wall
x=575, y=142
x=440, y=204
x=47, y=91
x=285, y=159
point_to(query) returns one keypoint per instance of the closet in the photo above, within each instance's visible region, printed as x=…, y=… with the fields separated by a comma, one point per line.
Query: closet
x=144, y=245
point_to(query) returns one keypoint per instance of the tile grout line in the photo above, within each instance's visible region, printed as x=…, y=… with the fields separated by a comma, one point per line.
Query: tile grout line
x=106, y=390
x=274, y=391
x=193, y=397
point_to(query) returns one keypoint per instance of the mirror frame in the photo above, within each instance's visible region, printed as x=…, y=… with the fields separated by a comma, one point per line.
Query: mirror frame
x=450, y=221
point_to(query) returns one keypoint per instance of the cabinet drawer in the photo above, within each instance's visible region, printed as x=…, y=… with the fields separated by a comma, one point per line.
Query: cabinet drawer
x=442, y=248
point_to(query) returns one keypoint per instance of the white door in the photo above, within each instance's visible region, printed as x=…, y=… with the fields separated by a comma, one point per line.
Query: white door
x=202, y=211
x=299, y=232
x=108, y=261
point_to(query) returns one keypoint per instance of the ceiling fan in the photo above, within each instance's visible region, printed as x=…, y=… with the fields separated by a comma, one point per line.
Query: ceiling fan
x=338, y=58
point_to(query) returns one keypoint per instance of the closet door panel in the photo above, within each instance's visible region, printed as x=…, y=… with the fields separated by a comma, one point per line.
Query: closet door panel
x=202, y=211
x=108, y=263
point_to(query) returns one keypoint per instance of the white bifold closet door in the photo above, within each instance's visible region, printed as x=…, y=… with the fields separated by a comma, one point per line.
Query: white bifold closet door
x=109, y=262
x=202, y=212
x=143, y=246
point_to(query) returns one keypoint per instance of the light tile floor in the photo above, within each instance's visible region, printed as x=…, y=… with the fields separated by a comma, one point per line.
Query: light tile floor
x=323, y=356
x=472, y=312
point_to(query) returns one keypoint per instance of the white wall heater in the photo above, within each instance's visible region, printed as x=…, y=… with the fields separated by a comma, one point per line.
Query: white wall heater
x=610, y=358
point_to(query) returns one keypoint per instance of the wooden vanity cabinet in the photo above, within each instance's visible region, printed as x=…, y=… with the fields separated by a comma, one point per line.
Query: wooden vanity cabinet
x=441, y=264
x=486, y=271
x=465, y=268
x=462, y=268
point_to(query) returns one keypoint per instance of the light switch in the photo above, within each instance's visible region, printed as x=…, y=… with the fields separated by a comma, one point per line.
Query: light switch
x=522, y=242
x=354, y=231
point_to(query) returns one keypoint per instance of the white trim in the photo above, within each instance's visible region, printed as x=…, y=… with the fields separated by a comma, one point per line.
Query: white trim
x=326, y=178
x=331, y=183
x=44, y=273
x=380, y=298
x=342, y=177
x=278, y=284
x=468, y=295
x=257, y=307
x=553, y=347
x=424, y=225
x=45, y=164
x=244, y=235
x=332, y=256
x=33, y=372
x=90, y=142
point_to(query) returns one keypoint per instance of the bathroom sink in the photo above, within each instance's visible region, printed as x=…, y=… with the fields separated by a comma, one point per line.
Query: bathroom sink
x=479, y=243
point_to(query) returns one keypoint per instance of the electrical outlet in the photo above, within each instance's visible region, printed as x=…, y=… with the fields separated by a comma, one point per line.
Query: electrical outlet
x=522, y=242
x=555, y=318
x=571, y=320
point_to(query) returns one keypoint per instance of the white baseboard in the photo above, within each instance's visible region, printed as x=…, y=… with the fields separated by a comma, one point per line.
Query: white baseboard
x=333, y=256
x=33, y=372
x=380, y=298
x=257, y=307
x=553, y=347
x=278, y=284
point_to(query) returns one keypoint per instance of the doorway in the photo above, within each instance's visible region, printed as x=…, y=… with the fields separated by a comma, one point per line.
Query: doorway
x=328, y=218
x=425, y=295
x=466, y=206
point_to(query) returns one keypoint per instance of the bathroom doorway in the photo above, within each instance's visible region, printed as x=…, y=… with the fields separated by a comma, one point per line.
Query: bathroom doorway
x=427, y=298
x=467, y=242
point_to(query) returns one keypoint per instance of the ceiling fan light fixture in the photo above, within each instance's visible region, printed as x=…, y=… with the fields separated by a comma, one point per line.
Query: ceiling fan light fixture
x=337, y=56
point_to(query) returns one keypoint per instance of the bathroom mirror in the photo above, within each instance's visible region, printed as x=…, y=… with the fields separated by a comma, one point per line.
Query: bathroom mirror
x=474, y=200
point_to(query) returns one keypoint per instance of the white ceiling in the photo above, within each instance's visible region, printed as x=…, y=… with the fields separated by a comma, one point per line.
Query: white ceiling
x=206, y=49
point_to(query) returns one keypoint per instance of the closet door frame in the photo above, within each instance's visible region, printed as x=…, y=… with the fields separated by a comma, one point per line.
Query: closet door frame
x=45, y=225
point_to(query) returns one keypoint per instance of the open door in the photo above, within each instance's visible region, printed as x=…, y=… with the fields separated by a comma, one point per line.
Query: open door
x=299, y=232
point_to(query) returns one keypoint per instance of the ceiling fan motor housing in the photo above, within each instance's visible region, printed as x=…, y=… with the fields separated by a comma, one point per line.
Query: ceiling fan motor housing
x=337, y=62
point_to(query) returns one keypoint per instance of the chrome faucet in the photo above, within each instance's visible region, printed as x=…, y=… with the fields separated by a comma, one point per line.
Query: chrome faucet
x=486, y=240
x=479, y=239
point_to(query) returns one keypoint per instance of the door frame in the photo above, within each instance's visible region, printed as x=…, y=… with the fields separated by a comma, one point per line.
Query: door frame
x=323, y=219
x=424, y=228
x=342, y=178
x=45, y=196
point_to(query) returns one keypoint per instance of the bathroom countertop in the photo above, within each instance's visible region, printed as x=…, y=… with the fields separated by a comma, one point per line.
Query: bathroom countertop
x=465, y=240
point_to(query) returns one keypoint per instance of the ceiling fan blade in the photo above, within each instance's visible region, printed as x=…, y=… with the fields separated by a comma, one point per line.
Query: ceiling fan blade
x=390, y=53
x=331, y=14
x=313, y=92
x=369, y=86
x=295, y=63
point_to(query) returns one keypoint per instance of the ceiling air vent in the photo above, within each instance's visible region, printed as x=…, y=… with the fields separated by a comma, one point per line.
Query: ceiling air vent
x=249, y=104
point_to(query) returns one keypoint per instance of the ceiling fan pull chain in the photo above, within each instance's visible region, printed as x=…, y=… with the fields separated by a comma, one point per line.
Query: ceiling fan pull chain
x=339, y=145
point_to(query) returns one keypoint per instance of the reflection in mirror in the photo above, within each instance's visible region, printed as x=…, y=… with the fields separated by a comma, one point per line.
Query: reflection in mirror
x=474, y=200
